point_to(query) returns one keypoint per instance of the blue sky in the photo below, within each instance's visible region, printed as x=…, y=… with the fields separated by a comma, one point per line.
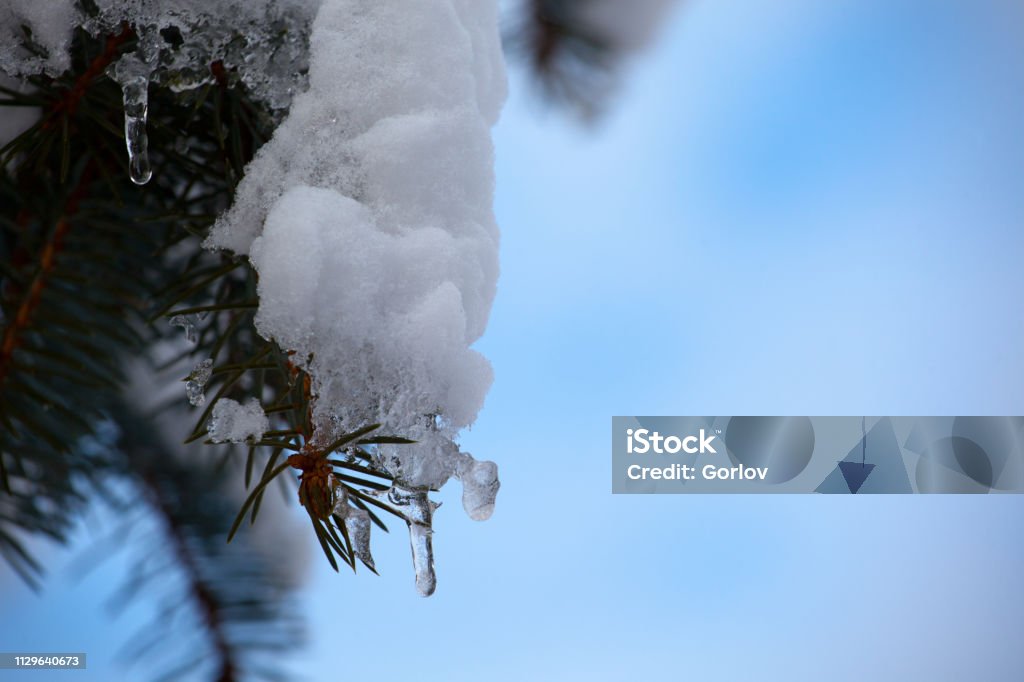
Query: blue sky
x=792, y=207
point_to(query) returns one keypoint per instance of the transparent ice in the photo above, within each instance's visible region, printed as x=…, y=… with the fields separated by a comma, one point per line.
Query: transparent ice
x=133, y=71
x=195, y=382
x=185, y=323
x=419, y=515
x=136, y=94
x=357, y=523
x=479, y=488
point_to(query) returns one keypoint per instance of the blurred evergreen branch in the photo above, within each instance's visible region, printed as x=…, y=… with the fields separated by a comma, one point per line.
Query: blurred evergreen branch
x=571, y=62
x=238, y=598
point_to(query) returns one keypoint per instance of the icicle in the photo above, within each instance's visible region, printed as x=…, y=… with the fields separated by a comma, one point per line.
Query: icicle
x=136, y=108
x=423, y=558
x=357, y=525
x=416, y=469
x=132, y=72
x=419, y=514
x=479, y=488
x=195, y=382
x=187, y=325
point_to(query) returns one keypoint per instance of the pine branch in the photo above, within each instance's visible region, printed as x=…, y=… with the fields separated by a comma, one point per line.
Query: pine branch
x=229, y=591
x=30, y=301
x=199, y=592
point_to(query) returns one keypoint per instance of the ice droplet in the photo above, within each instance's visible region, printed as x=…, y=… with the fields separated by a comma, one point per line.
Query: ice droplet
x=195, y=382
x=479, y=489
x=187, y=325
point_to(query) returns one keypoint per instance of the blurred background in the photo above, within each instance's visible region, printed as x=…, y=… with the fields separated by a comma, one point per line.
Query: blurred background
x=784, y=207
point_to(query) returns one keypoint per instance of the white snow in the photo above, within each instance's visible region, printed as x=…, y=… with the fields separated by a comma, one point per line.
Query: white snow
x=369, y=218
x=233, y=422
x=49, y=23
